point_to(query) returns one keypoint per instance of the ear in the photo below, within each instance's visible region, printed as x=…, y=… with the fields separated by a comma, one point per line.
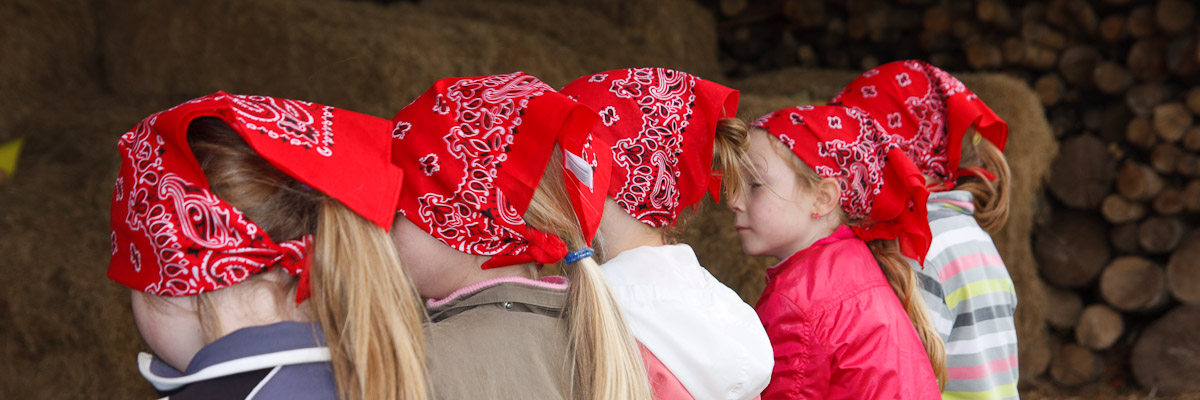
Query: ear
x=827, y=196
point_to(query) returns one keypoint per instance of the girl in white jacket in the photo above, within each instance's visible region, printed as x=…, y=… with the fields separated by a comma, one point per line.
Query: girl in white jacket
x=662, y=125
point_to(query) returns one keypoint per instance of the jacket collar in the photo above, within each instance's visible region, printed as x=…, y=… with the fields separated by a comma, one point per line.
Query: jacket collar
x=960, y=200
x=842, y=232
x=244, y=350
x=548, y=293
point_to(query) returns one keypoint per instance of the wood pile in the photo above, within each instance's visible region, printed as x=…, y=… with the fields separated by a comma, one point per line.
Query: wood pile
x=1118, y=237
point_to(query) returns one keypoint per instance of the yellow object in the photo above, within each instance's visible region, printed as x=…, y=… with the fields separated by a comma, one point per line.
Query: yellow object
x=9, y=152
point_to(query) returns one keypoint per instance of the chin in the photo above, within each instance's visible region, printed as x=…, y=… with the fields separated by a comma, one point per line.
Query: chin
x=750, y=251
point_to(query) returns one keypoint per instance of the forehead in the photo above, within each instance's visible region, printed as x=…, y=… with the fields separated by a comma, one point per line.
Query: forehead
x=762, y=153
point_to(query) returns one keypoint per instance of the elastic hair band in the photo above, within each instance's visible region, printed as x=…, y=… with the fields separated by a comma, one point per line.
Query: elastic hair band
x=575, y=256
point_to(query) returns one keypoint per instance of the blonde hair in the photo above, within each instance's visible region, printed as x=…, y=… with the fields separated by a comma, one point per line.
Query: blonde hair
x=604, y=358
x=895, y=267
x=729, y=156
x=991, y=198
x=361, y=296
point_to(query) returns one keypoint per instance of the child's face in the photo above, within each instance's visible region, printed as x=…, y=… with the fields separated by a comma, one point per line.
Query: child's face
x=774, y=215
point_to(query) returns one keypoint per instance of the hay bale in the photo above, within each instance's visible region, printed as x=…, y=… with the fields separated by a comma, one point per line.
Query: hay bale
x=48, y=46
x=376, y=58
x=1031, y=148
x=64, y=315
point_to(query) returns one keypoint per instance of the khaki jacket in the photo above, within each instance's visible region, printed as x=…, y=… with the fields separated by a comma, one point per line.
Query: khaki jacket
x=504, y=341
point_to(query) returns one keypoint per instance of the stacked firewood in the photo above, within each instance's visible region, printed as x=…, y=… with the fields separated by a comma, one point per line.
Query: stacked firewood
x=1118, y=237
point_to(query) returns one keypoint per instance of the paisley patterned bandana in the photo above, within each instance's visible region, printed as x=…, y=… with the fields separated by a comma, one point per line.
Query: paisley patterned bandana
x=171, y=236
x=881, y=188
x=477, y=148
x=662, y=124
x=930, y=109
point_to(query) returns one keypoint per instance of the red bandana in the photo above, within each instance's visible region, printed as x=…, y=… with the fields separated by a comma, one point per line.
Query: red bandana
x=929, y=108
x=481, y=145
x=171, y=236
x=662, y=124
x=880, y=185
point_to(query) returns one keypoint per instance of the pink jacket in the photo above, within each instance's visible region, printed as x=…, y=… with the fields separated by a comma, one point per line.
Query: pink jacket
x=838, y=330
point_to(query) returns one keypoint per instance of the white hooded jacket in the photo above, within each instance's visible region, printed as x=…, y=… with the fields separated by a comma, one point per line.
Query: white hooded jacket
x=710, y=339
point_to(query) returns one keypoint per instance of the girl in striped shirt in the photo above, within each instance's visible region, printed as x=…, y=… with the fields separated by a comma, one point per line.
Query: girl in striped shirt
x=957, y=142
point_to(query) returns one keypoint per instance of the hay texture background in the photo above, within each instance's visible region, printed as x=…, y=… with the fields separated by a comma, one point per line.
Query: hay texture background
x=78, y=73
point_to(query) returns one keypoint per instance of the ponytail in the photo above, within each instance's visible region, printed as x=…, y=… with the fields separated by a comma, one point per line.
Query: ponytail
x=991, y=198
x=903, y=280
x=368, y=308
x=604, y=358
x=360, y=295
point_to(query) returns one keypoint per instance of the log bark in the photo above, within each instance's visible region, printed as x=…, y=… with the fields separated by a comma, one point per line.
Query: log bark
x=1165, y=356
x=1189, y=165
x=1074, y=365
x=984, y=55
x=1171, y=121
x=1183, y=270
x=1165, y=157
x=1181, y=56
x=937, y=20
x=1141, y=22
x=1138, y=182
x=1072, y=249
x=1078, y=65
x=1040, y=34
x=1111, y=77
x=1116, y=117
x=1193, y=100
x=1113, y=28
x=1191, y=196
x=1191, y=138
x=1013, y=50
x=1099, y=327
x=1140, y=133
x=1134, y=284
x=1174, y=16
x=1050, y=89
x=1169, y=201
x=1144, y=97
x=731, y=8
x=1147, y=60
x=1124, y=237
x=1039, y=57
x=1117, y=209
x=1082, y=175
x=1063, y=308
x=1161, y=235
x=993, y=12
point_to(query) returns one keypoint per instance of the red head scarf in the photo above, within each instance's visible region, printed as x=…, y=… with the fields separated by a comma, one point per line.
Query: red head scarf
x=929, y=108
x=881, y=188
x=171, y=236
x=478, y=147
x=662, y=124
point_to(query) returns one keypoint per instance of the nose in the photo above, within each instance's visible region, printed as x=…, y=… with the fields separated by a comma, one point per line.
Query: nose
x=735, y=203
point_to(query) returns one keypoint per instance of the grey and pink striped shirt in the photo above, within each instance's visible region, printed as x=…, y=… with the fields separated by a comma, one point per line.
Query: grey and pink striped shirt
x=972, y=299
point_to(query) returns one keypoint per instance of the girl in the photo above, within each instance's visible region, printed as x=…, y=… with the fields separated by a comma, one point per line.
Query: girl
x=482, y=214
x=972, y=297
x=662, y=125
x=228, y=213
x=831, y=195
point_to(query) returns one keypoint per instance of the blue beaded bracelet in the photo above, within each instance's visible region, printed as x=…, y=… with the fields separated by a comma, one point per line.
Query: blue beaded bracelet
x=575, y=256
